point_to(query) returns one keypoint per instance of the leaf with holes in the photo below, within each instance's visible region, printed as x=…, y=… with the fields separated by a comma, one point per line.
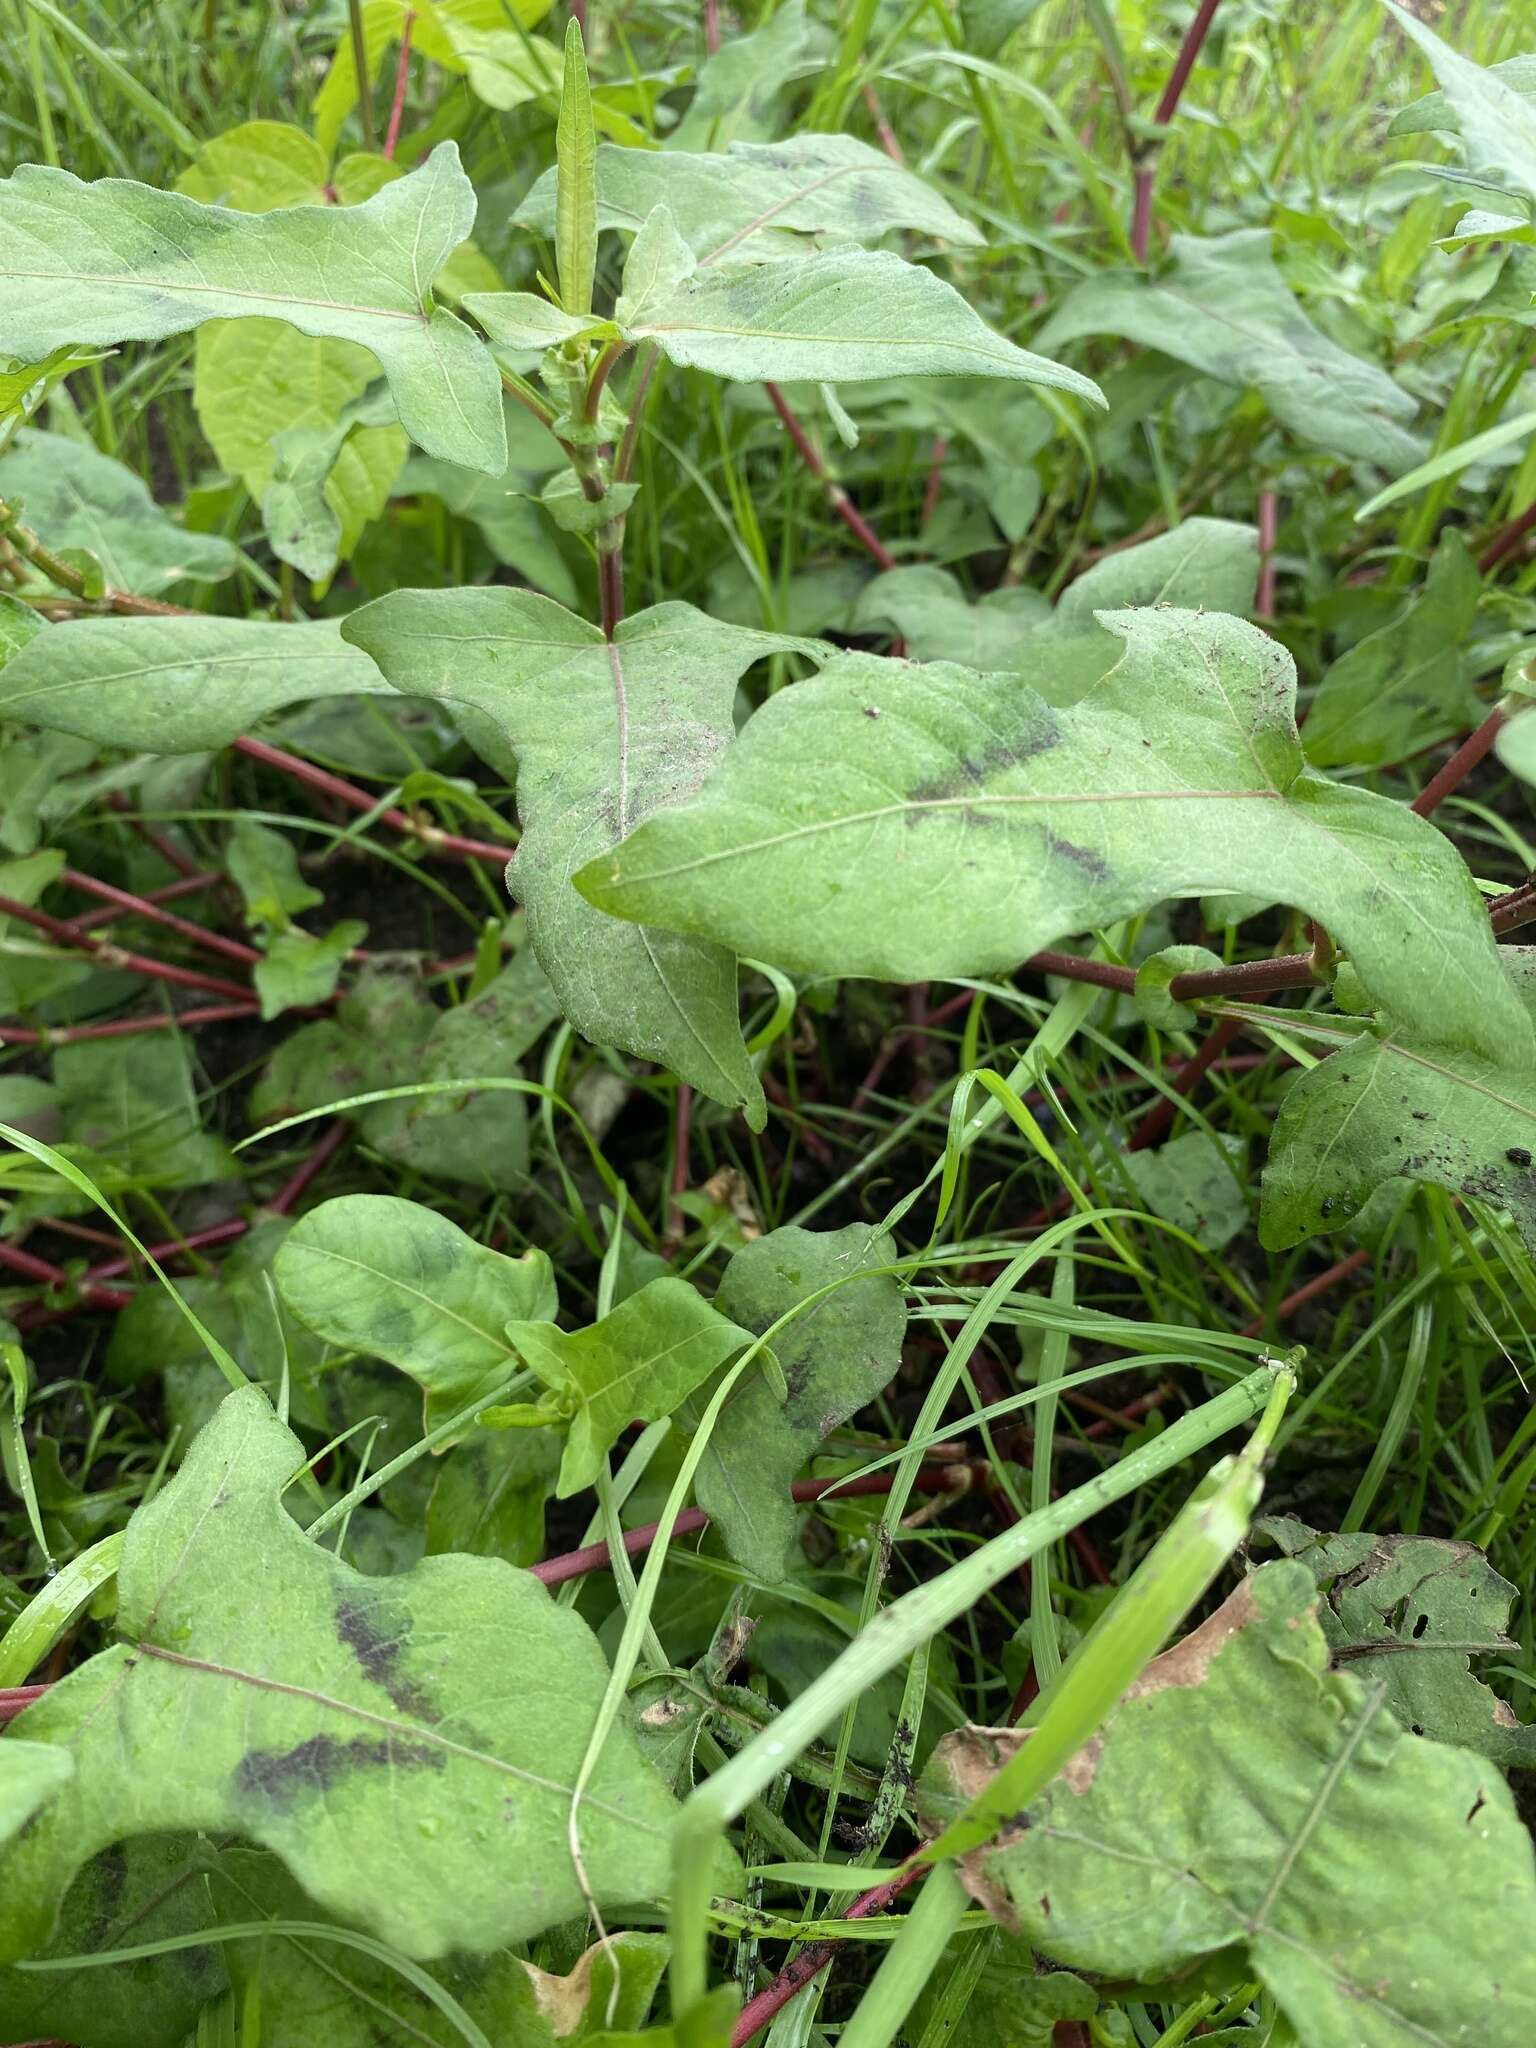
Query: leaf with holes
x=605, y=733
x=432, y=1722
x=114, y=261
x=1247, y=1804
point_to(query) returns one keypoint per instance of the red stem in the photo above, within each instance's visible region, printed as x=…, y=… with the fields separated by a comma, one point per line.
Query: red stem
x=837, y=497
x=1473, y=749
x=1163, y=1111
x=884, y=132
x=1269, y=533
x=359, y=800
x=758, y=2011
x=1167, y=107
x=1309, y=1291
x=13, y=1699
x=142, y=906
x=115, y=956
x=185, y=885
x=299, y=1182
x=402, y=73
x=127, y=1027
x=165, y=846
x=1506, y=540
x=712, y=26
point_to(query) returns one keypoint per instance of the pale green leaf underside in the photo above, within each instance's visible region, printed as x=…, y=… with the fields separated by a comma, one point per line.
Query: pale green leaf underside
x=737, y=202
x=431, y=1723
x=116, y=261
x=604, y=734
x=841, y=316
x=1222, y=307
x=914, y=823
x=177, y=686
x=1496, y=121
x=1256, y=1802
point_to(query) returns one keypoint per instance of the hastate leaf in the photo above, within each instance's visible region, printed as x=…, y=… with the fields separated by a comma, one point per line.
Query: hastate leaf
x=605, y=733
x=1246, y=1802
x=177, y=685
x=841, y=316
x=642, y=1360
x=1222, y=307
x=835, y=1358
x=395, y=1280
x=115, y=261
x=743, y=203
x=431, y=1723
x=915, y=823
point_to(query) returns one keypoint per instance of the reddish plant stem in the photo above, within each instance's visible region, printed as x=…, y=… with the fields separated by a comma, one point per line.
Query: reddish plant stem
x=1269, y=533
x=46, y=1274
x=1507, y=913
x=127, y=1027
x=115, y=956
x=712, y=26
x=299, y=1181
x=359, y=800
x=1309, y=1291
x=935, y=484
x=593, y=1557
x=402, y=74
x=1473, y=749
x=758, y=2011
x=141, y=906
x=885, y=134
x=1506, y=540
x=13, y=1698
x=837, y=497
x=163, y=844
x=1167, y=107
x=186, y=885
x=610, y=587
x=1163, y=1111
x=1074, y=967
x=173, y=1247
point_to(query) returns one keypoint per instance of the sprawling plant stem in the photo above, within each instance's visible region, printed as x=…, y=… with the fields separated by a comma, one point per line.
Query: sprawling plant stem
x=1167, y=107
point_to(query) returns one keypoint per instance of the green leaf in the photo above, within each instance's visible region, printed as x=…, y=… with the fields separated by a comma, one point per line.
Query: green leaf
x=516, y=532
x=74, y=497
x=842, y=316
x=1236, y=1781
x=264, y=867
x=1435, y=111
x=574, y=512
x=604, y=733
x=149, y=1889
x=133, y=1101
x=1411, y=1611
x=642, y=1360
x=576, y=159
x=740, y=86
x=927, y=608
x=255, y=380
x=114, y=261
x=177, y=686
x=302, y=968
x=1196, y=1181
x=836, y=1358
x=506, y=69
x=394, y=1280
x=1222, y=307
x=1405, y=686
x=1008, y=1999
x=747, y=202
x=489, y=1494
x=1496, y=123
x=522, y=320
x=1432, y=1100
x=257, y=168
x=357, y=1727
x=923, y=823
x=327, y=482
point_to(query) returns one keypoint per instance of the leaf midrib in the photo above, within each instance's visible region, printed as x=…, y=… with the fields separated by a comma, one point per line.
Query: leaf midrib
x=223, y=291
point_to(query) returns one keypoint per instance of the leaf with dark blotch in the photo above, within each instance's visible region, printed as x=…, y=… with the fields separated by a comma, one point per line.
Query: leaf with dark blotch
x=1246, y=1803
x=835, y=1358
x=1412, y=1611
x=433, y=1722
x=605, y=733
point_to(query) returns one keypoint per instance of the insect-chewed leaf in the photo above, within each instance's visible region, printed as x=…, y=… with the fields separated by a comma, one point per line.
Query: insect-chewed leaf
x=913, y=823
x=605, y=733
x=395, y=1280
x=835, y=1358
x=642, y=1360
x=115, y=261
x=1219, y=1807
x=744, y=202
x=1411, y=1610
x=177, y=686
x=842, y=316
x=1223, y=308
x=431, y=1723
